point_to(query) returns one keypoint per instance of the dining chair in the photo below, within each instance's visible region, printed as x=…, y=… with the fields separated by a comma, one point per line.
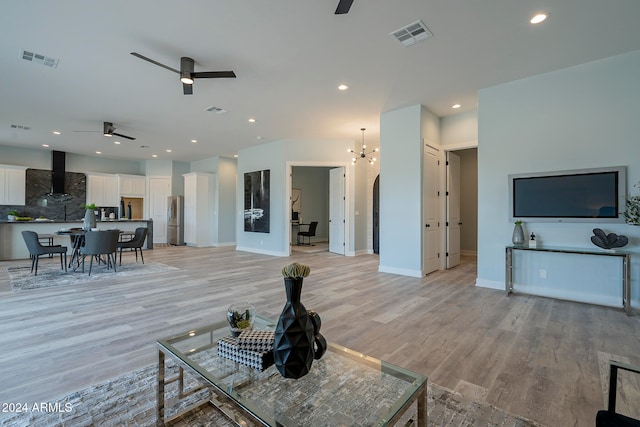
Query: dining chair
x=311, y=232
x=609, y=417
x=98, y=243
x=135, y=243
x=36, y=249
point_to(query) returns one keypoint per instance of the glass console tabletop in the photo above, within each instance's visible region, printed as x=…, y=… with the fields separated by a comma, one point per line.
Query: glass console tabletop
x=343, y=388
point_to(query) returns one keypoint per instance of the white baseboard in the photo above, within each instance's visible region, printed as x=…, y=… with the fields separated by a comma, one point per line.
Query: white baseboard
x=469, y=253
x=261, y=251
x=491, y=284
x=400, y=271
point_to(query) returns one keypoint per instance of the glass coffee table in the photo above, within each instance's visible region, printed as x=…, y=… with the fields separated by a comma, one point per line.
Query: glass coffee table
x=343, y=388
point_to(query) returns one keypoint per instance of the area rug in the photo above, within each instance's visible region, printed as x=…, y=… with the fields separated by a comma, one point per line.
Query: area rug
x=130, y=400
x=50, y=274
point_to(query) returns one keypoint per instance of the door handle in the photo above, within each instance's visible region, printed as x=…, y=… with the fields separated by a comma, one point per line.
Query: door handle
x=427, y=225
x=459, y=223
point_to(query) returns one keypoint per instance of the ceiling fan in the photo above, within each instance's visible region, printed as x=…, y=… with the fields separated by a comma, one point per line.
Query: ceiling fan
x=343, y=7
x=187, y=75
x=108, y=130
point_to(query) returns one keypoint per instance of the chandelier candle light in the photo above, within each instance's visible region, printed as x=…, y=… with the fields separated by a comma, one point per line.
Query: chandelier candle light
x=363, y=153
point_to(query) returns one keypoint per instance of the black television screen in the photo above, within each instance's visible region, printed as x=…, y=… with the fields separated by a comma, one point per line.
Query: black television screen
x=587, y=195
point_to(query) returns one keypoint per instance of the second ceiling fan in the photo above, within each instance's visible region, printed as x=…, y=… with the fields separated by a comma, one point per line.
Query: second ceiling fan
x=187, y=73
x=343, y=7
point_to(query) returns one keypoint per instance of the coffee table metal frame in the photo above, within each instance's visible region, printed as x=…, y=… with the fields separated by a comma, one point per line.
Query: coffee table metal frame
x=224, y=400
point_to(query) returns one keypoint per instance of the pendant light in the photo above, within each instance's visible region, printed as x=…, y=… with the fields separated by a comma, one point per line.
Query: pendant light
x=363, y=153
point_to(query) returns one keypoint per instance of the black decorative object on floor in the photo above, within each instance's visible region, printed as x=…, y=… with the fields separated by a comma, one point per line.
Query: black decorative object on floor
x=293, y=347
x=608, y=241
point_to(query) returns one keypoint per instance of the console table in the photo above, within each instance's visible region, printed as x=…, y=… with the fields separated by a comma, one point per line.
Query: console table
x=624, y=256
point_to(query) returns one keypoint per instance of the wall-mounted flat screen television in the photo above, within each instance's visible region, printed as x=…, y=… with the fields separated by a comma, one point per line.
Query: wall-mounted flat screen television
x=584, y=195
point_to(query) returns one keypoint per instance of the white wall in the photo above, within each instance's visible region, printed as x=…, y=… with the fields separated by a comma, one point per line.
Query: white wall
x=468, y=200
x=581, y=117
x=314, y=185
x=41, y=159
x=401, y=191
x=279, y=157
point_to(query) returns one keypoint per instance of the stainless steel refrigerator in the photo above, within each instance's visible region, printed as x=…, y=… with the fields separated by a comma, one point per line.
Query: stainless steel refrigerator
x=175, y=220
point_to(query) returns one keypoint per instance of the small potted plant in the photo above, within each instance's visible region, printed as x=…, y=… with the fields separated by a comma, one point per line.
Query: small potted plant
x=241, y=317
x=12, y=215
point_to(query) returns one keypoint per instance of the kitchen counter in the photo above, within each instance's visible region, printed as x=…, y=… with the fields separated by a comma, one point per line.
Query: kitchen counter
x=12, y=244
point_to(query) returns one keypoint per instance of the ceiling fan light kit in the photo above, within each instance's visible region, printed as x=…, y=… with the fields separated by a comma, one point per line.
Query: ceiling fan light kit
x=187, y=73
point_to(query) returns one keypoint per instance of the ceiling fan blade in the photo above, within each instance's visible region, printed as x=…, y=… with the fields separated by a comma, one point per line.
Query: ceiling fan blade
x=343, y=7
x=187, y=89
x=123, y=136
x=213, y=74
x=137, y=55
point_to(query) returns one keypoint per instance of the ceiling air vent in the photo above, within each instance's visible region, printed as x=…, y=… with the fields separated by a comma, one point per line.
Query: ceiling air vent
x=412, y=33
x=39, y=59
x=215, y=110
x=21, y=127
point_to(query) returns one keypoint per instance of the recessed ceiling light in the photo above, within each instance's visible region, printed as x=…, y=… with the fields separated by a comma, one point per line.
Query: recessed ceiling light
x=116, y=142
x=98, y=152
x=194, y=141
x=56, y=132
x=343, y=87
x=168, y=150
x=259, y=137
x=45, y=145
x=154, y=155
x=252, y=120
x=539, y=17
x=456, y=106
x=235, y=155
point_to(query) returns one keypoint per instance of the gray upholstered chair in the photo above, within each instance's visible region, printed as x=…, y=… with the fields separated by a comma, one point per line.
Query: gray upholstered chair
x=311, y=232
x=135, y=243
x=36, y=249
x=611, y=418
x=98, y=243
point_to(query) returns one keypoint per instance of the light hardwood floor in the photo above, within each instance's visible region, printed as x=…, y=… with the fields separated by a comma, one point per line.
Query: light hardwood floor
x=536, y=357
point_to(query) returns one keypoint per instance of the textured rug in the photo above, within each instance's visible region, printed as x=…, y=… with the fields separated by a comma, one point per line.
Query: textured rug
x=50, y=274
x=130, y=400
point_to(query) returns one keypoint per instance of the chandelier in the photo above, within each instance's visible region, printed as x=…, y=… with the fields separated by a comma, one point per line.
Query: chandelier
x=363, y=153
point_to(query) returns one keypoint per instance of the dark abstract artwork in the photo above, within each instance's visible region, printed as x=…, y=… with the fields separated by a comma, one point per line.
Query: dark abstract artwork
x=256, y=201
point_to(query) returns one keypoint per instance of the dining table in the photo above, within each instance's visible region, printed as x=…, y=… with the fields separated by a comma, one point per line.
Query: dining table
x=76, y=236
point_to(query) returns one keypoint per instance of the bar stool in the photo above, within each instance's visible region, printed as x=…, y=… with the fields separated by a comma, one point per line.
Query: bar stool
x=46, y=238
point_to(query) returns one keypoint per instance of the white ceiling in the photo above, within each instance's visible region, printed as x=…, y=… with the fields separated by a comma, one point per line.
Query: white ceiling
x=289, y=56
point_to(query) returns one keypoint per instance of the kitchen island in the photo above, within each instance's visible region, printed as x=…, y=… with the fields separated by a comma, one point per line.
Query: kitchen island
x=12, y=244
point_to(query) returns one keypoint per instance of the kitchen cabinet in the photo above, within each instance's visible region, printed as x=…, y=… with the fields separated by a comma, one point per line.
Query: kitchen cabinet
x=199, y=214
x=102, y=189
x=12, y=185
x=132, y=185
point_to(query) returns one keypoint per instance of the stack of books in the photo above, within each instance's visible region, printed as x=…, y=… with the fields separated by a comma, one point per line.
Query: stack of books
x=251, y=348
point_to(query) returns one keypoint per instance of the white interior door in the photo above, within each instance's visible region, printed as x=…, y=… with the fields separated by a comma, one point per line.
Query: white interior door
x=453, y=209
x=430, y=208
x=336, y=210
x=159, y=190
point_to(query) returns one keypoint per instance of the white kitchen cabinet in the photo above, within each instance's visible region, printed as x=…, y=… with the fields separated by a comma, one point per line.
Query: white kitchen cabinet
x=132, y=185
x=198, y=209
x=102, y=189
x=12, y=185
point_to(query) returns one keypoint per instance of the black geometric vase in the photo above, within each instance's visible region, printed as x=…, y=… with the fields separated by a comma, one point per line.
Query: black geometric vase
x=294, y=335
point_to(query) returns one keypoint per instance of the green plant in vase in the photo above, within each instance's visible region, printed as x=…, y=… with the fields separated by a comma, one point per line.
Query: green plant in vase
x=12, y=215
x=632, y=211
x=240, y=317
